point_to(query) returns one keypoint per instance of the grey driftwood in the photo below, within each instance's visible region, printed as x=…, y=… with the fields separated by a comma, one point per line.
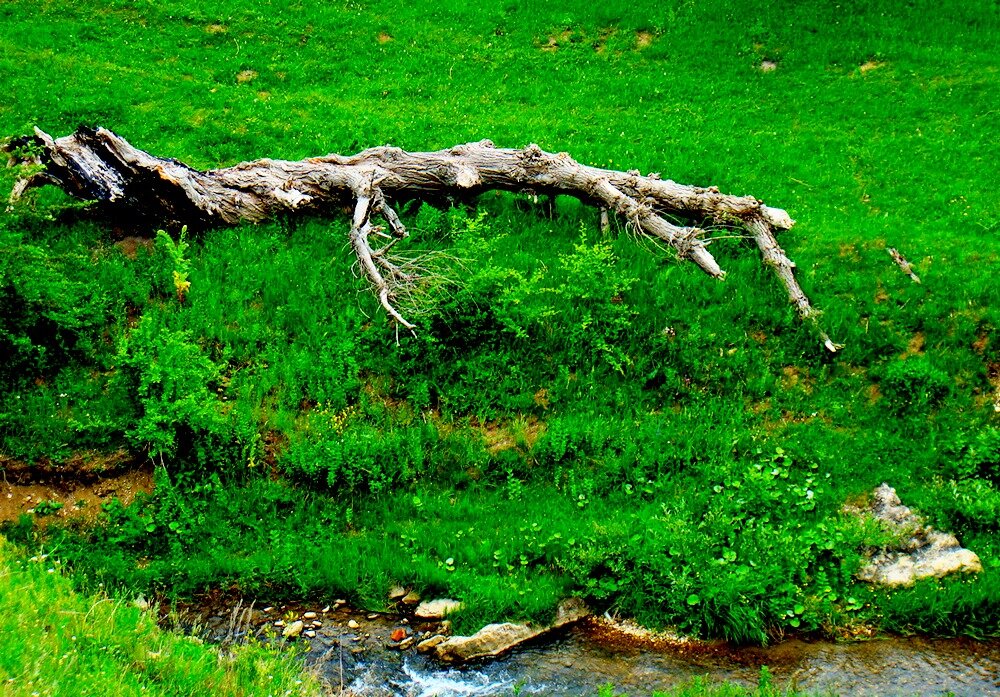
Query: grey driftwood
x=96, y=164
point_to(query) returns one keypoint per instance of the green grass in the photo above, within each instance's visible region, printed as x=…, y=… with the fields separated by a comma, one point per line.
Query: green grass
x=58, y=642
x=689, y=436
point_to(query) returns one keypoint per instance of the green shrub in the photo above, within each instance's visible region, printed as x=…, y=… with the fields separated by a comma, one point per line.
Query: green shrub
x=48, y=317
x=914, y=386
x=359, y=457
x=172, y=382
x=981, y=458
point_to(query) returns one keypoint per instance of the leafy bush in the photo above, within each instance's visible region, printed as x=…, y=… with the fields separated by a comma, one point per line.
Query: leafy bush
x=171, y=382
x=981, y=458
x=914, y=385
x=48, y=317
x=358, y=457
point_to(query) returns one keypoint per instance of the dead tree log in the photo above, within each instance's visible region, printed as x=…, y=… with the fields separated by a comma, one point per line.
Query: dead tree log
x=101, y=166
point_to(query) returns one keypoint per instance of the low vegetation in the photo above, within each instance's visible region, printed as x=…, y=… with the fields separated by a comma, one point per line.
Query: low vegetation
x=576, y=415
x=58, y=642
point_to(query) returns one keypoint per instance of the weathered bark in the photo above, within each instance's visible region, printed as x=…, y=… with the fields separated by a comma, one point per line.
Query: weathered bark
x=99, y=165
x=903, y=264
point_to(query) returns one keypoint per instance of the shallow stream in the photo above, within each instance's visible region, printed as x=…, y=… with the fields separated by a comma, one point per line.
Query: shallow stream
x=355, y=650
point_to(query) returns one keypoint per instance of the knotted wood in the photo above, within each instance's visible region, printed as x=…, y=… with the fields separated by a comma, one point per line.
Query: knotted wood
x=98, y=165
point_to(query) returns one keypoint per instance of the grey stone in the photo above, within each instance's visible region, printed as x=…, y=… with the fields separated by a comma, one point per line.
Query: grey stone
x=428, y=644
x=494, y=639
x=923, y=553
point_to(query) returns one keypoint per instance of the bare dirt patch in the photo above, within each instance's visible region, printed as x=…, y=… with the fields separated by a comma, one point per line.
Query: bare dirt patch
x=66, y=500
x=555, y=40
x=75, y=488
x=600, y=46
x=869, y=66
x=643, y=39
x=130, y=245
x=384, y=38
x=519, y=433
x=915, y=346
x=792, y=376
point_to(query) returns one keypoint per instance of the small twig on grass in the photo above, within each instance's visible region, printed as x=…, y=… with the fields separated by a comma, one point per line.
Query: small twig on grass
x=903, y=264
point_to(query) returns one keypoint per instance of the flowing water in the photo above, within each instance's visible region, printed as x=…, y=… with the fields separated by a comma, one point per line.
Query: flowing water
x=363, y=660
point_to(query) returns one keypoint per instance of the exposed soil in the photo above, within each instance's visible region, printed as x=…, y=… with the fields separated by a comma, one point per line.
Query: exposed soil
x=73, y=489
x=643, y=39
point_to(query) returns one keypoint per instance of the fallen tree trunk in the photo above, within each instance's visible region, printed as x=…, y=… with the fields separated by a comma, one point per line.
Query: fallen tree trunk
x=101, y=166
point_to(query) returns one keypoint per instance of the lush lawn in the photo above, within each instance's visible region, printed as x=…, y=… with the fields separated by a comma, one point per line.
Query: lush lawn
x=579, y=413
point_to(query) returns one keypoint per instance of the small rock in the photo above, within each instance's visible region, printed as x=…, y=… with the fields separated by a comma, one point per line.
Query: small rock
x=373, y=616
x=767, y=66
x=309, y=616
x=411, y=598
x=406, y=643
x=352, y=624
x=279, y=623
x=396, y=592
x=404, y=621
x=569, y=611
x=428, y=644
x=267, y=609
x=398, y=634
x=309, y=634
x=339, y=602
x=317, y=624
x=293, y=630
x=445, y=627
x=325, y=610
x=437, y=609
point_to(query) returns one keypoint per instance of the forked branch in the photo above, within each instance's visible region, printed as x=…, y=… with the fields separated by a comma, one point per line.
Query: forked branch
x=101, y=166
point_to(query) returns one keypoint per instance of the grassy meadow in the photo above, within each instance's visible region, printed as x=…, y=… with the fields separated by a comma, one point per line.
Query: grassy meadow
x=58, y=642
x=579, y=413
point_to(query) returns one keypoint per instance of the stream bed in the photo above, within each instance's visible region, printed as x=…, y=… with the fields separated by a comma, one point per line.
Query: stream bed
x=356, y=651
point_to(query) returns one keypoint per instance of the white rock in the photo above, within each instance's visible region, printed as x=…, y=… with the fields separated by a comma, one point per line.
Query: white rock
x=437, y=609
x=293, y=630
x=924, y=553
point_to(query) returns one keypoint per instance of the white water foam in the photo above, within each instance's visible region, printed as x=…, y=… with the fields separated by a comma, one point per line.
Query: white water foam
x=459, y=683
